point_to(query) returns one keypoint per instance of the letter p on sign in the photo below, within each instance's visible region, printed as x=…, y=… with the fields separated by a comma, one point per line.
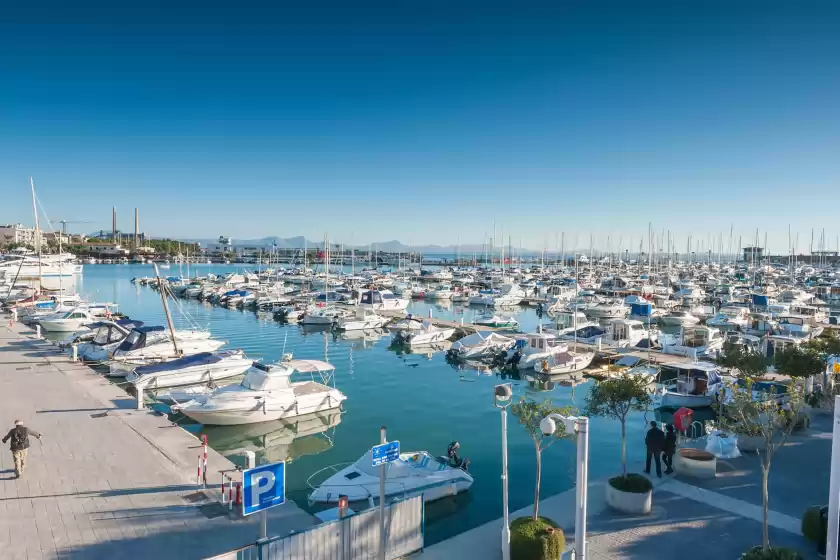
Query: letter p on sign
x=263, y=487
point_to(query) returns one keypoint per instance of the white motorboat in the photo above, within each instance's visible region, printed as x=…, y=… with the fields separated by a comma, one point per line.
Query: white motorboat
x=364, y=319
x=798, y=326
x=693, y=342
x=145, y=346
x=74, y=319
x=414, y=473
x=607, y=310
x=510, y=295
x=108, y=341
x=268, y=393
x=697, y=384
x=442, y=291
x=730, y=318
x=383, y=300
x=564, y=362
x=322, y=315
x=679, y=319
x=99, y=335
x=427, y=334
x=480, y=345
x=497, y=322
x=205, y=367
x=534, y=347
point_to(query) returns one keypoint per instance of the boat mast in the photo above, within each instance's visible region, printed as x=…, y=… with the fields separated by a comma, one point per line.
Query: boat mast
x=37, y=235
x=162, y=291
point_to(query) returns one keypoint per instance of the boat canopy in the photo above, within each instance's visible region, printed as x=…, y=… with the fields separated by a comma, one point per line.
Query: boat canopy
x=309, y=366
x=267, y=377
x=481, y=338
x=137, y=338
x=200, y=359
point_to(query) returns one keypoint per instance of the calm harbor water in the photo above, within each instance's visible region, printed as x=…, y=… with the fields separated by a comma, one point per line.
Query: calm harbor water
x=425, y=403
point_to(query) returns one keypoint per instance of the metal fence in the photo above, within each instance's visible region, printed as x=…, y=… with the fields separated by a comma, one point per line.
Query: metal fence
x=355, y=537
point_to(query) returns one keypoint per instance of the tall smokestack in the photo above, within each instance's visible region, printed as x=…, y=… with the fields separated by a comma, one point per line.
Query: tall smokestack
x=136, y=224
x=114, y=224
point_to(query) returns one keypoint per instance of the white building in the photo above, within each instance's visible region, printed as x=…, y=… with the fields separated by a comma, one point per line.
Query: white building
x=18, y=233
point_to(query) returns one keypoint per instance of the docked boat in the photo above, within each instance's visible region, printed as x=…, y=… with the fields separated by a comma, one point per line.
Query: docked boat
x=74, y=319
x=730, y=318
x=149, y=345
x=511, y=295
x=201, y=368
x=564, y=362
x=697, y=385
x=441, y=292
x=534, y=347
x=427, y=334
x=364, y=319
x=480, y=345
x=694, y=342
x=105, y=335
x=414, y=473
x=382, y=300
x=268, y=393
x=679, y=319
x=322, y=316
x=497, y=321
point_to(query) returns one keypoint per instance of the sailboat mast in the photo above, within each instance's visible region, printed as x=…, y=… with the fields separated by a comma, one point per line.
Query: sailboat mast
x=162, y=291
x=37, y=234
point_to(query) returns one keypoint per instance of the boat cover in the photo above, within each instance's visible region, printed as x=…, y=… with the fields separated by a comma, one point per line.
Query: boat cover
x=203, y=358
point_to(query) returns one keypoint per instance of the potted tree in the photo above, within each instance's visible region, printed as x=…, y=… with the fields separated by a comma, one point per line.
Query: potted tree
x=535, y=537
x=616, y=398
x=764, y=416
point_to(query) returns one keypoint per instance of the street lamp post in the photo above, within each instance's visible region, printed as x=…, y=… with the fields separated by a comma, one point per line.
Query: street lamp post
x=580, y=426
x=502, y=397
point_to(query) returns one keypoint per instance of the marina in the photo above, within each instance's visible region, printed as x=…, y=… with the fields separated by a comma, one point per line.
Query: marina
x=441, y=395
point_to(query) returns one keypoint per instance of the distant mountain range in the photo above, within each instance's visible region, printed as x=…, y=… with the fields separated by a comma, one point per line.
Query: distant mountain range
x=393, y=246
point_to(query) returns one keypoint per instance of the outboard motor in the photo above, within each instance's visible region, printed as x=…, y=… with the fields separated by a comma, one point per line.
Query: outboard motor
x=513, y=361
x=452, y=456
x=500, y=359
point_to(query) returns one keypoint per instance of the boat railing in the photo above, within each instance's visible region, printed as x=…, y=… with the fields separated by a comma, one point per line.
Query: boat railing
x=333, y=468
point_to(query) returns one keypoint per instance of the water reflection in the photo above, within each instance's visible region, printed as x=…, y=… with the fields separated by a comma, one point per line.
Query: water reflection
x=279, y=440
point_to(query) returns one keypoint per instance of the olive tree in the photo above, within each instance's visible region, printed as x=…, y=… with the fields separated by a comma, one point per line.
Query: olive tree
x=616, y=398
x=530, y=413
x=763, y=415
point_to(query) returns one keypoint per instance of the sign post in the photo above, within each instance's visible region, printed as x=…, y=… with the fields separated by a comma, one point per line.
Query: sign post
x=385, y=452
x=263, y=487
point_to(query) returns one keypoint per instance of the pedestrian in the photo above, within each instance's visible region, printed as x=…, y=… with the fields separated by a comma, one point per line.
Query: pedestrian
x=669, y=449
x=19, y=444
x=655, y=443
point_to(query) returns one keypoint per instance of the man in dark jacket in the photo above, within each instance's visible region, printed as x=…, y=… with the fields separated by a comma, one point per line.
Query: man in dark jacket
x=670, y=448
x=20, y=443
x=655, y=443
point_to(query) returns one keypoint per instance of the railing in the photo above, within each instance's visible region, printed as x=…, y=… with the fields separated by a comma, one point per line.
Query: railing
x=355, y=537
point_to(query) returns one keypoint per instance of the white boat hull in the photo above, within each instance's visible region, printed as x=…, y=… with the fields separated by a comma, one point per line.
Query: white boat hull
x=202, y=374
x=254, y=412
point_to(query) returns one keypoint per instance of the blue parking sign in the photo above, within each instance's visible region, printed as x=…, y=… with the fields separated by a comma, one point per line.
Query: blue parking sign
x=263, y=487
x=385, y=453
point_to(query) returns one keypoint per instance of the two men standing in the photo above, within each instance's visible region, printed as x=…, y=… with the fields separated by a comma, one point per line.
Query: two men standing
x=19, y=436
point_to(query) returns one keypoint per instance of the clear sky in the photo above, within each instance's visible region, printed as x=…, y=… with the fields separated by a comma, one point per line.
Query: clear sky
x=426, y=121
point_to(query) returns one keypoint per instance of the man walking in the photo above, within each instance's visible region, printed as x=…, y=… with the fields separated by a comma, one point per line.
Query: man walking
x=655, y=443
x=20, y=443
x=669, y=448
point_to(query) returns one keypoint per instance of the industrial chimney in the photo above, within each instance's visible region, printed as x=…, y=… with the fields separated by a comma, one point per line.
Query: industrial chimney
x=136, y=225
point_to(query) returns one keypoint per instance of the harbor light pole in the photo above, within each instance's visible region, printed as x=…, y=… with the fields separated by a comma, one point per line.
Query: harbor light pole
x=834, y=486
x=580, y=426
x=502, y=397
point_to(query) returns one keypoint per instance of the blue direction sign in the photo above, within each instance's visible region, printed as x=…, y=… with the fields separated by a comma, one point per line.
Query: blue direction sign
x=263, y=487
x=385, y=453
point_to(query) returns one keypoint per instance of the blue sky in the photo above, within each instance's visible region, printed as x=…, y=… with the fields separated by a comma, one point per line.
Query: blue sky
x=426, y=123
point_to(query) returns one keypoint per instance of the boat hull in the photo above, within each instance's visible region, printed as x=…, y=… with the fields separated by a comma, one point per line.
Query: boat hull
x=271, y=411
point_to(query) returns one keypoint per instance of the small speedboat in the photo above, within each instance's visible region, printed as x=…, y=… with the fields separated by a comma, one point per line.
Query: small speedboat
x=414, y=473
x=565, y=362
x=364, y=319
x=480, y=345
x=425, y=335
x=497, y=321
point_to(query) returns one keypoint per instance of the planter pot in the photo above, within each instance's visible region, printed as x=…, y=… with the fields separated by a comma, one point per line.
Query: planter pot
x=751, y=444
x=629, y=502
x=695, y=463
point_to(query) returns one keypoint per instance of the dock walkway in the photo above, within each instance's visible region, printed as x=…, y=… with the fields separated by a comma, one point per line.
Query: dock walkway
x=106, y=481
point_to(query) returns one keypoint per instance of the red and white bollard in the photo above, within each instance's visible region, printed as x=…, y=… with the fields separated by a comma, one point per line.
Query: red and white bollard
x=204, y=462
x=198, y=471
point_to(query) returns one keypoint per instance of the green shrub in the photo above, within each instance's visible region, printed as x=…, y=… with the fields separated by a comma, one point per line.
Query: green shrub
x=530, y=540
x=635, y=483
x=814, y=527
x=758, y=553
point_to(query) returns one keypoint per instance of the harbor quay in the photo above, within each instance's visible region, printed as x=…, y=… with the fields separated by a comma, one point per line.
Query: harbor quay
x=106, y=480
x=691, y=518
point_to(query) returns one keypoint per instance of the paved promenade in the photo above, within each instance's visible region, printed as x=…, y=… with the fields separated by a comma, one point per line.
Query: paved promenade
x=106, y=481
x=691, y=519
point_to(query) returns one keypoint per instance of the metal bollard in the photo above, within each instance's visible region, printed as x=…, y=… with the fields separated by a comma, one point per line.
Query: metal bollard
x=141, y=398
x=224, y=478
x=75, y=352
x=14, y=314
x=37, y=331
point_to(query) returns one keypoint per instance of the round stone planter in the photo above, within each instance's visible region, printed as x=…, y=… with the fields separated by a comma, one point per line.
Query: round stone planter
x=628, y=502
x=695, y=463
x=751, y=444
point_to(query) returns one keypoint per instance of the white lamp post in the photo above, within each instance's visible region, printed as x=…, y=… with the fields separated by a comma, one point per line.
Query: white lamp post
x=580, y=426
x=502, y=397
